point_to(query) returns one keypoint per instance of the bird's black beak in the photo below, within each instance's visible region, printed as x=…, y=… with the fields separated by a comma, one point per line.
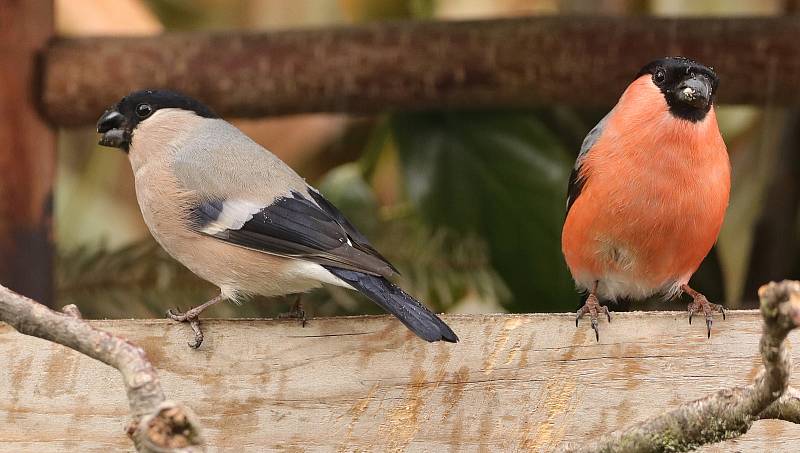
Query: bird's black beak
x=695, y=91
x=112, y=126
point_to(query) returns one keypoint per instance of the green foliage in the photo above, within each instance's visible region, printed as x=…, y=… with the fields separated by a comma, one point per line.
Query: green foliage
x=347, y=189
x=190, y=15
x=444, y=267
x=371, y=10
x=500, y=176
x=138, y=280
x=437, y=265
x=142, y=280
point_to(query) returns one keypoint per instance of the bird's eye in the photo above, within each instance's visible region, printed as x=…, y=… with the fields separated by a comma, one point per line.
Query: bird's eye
x=659, y=76
x=143, y=110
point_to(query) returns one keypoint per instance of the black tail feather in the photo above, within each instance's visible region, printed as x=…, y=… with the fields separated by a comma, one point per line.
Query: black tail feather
x=391, y=298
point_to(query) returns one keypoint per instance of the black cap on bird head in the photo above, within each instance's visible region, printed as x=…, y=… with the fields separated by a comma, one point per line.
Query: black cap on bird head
x=117, y=124
x=688, y=86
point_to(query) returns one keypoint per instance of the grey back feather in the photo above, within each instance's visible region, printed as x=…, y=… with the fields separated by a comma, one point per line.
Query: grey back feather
x=218, y=161
x=576, y=182
x=249, y=197
x=591, y=138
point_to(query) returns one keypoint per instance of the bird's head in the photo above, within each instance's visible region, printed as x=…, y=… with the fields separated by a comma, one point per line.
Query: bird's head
x=118, y=125
x=688, y=87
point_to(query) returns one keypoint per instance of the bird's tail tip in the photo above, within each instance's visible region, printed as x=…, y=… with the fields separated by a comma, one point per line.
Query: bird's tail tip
x=418, y=318
x=447, y=333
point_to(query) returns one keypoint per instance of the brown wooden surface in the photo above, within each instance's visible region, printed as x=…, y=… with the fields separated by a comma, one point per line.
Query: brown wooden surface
x=27, y=151
x=514, y=383
x=584, y=61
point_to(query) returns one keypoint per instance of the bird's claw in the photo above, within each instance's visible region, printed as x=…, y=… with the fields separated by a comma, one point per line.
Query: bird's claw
x=701, y=305
x=593, y=307
x=296, y=312
x=176, y=314
x=299, y=314
x=198, y=334
x=192, y=318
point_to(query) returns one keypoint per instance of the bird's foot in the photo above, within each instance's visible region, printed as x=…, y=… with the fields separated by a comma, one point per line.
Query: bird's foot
x=701, y=305
x=296, y=312
x=193, y=318
x=593, y=307
x=194, y=323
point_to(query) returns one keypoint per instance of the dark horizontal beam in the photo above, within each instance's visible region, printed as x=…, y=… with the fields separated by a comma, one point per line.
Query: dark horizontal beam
x=580, y=61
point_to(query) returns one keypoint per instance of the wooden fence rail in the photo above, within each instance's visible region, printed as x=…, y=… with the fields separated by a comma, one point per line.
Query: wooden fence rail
x=514, y=383
x=582, y=61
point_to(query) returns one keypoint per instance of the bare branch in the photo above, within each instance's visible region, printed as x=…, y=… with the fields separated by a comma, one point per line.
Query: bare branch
x=508, y=63
x=727, y=413
x=786, y=408
x=158, y=425
x=72, y=310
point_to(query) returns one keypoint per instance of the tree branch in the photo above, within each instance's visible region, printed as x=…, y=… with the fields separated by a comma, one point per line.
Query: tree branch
x=727, y=413
x=506, y=63
x=786, y=408
x=158, y=425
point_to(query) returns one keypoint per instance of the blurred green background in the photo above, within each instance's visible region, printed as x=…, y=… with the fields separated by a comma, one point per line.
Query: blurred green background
x=468, y=205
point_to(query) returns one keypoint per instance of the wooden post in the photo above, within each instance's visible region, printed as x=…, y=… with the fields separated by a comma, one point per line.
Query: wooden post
x=27, y=151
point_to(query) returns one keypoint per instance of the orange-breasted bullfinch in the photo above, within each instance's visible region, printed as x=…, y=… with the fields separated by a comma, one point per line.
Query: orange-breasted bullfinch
x=649, y=191
x=240, y=218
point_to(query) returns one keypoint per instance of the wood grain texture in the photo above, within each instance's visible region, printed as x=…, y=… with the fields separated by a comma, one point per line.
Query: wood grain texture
x=27, y=152
x=514, y=383
x=508, y=63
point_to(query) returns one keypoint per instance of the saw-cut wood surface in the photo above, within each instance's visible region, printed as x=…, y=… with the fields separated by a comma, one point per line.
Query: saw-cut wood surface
x=513, y=383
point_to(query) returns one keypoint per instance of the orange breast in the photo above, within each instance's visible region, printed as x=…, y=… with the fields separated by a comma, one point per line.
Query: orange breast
x=655, y=195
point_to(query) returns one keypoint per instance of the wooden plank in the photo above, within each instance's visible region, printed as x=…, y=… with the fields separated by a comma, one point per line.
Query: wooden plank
x=27, y=152
x=515, y=382
x=508, y=63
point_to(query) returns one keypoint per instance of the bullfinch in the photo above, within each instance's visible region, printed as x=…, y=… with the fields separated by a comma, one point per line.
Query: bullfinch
x=648, y=192
x=240, y=218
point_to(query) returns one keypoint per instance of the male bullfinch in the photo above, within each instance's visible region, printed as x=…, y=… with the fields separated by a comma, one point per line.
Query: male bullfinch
x=240, y=218
x=649, y=191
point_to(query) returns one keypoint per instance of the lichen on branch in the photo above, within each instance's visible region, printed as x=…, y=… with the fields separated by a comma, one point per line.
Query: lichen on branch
x=728, y=413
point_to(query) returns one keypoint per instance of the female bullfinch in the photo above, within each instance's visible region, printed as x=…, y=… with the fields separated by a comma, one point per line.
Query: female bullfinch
x=649, y=191
x=238, y=217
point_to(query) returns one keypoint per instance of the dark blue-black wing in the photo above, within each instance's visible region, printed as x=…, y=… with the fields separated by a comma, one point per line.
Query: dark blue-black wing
x=303, y=226
x=576, y=180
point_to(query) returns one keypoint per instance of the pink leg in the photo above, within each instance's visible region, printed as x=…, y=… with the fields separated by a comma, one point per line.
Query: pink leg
x=593, y=307
x=192, y=317
x=701, y=304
